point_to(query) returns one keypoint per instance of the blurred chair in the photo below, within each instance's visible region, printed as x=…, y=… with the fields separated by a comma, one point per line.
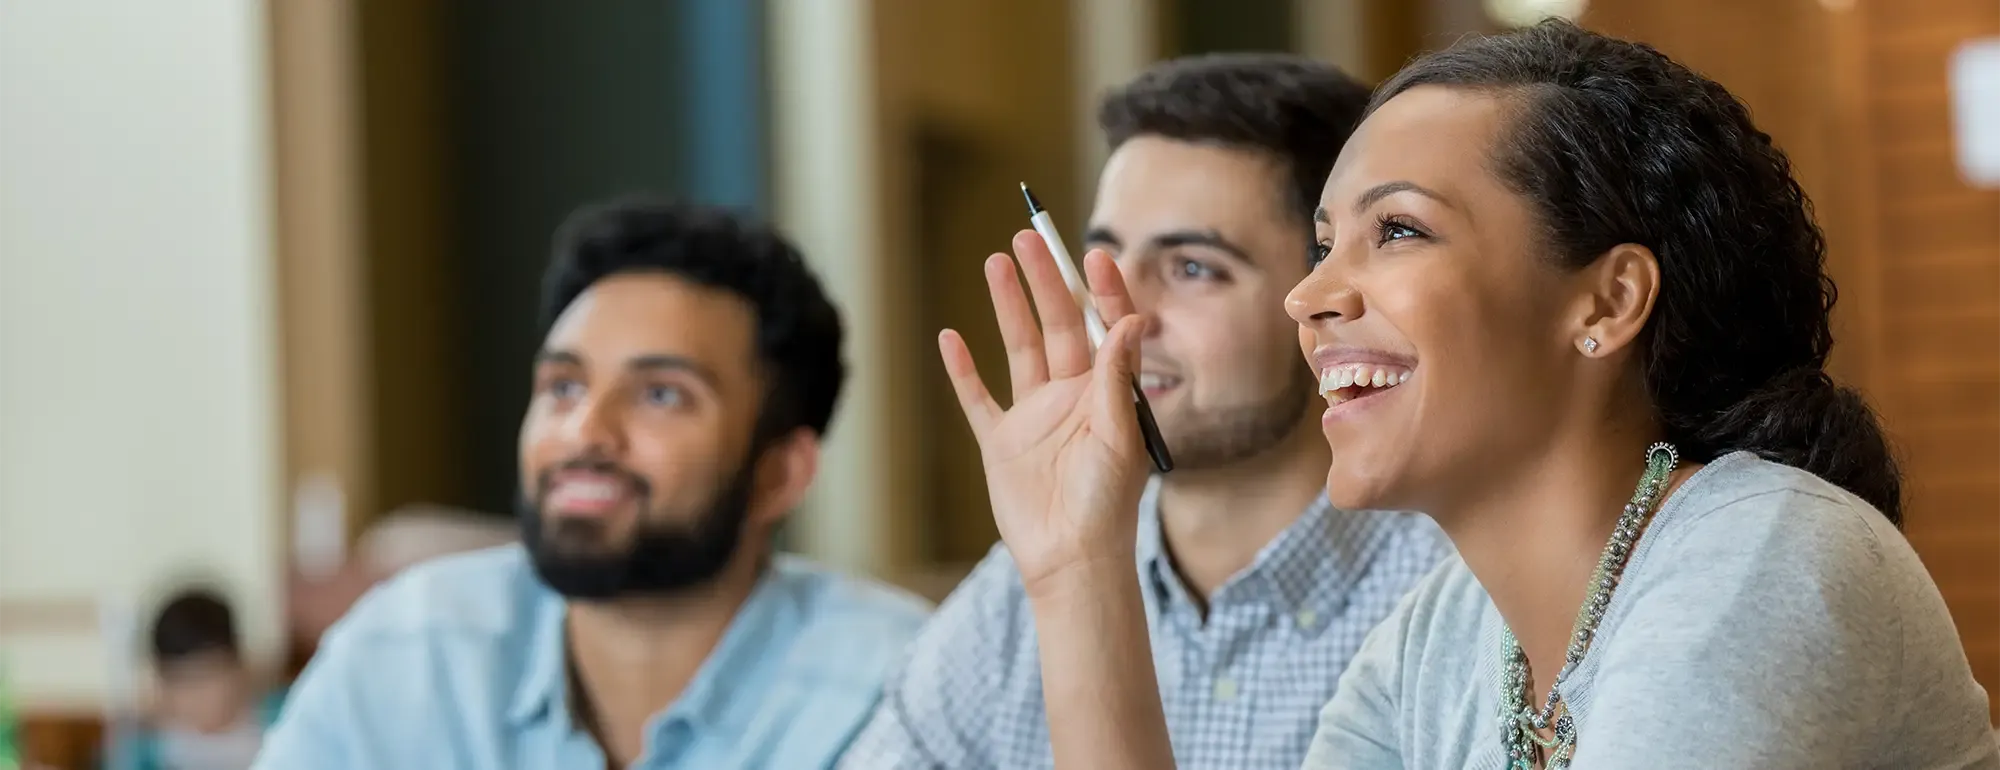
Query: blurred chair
x=418, y=533
x=400, y=539
x=62, y=737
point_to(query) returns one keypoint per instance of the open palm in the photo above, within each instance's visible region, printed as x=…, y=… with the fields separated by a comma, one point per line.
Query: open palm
x=1065, y=464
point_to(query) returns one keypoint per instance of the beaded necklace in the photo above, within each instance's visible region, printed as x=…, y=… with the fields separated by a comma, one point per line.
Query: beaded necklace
x=1520, y=723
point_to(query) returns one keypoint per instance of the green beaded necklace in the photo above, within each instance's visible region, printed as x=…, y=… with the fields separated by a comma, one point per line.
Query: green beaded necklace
x=1520, y=723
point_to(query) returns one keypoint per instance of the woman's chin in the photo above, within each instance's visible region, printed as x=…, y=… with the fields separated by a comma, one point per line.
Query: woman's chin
x=1348, y=489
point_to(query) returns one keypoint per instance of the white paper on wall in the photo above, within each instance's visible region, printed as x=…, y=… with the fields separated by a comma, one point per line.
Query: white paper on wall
x=1975, y=108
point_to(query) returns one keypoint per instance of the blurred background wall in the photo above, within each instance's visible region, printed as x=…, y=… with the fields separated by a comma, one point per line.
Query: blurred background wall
x=266, y=258
x=140, y=428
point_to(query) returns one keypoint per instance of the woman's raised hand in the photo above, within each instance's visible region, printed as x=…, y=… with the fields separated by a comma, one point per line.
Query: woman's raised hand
x=1065, y=464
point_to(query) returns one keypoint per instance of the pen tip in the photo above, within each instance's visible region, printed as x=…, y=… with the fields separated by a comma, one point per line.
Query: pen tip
x=1034, y=206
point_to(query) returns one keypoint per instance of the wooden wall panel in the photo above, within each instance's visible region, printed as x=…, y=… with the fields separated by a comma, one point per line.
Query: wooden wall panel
x=967, y=149
x=1937, y=257
x=1859, y=99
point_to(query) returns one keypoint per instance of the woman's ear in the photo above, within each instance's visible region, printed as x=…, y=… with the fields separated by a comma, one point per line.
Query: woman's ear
x=1619, y=289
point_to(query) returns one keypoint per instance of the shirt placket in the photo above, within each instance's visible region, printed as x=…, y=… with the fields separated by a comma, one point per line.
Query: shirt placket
x=1217, y=692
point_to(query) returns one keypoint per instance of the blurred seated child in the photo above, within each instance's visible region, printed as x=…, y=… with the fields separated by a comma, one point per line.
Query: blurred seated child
x=210, y=713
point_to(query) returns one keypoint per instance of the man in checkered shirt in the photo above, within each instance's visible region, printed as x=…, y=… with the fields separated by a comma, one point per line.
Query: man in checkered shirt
x=1257, y=592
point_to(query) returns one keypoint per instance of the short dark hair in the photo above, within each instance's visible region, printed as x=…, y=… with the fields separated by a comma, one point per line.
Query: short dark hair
x=1616, y=143
x=192, y=622
x=798, y=330
x=1298, y=110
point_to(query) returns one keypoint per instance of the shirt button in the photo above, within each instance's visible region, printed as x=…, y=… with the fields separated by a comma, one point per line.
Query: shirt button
x=1225, y=689
x=1306, y=618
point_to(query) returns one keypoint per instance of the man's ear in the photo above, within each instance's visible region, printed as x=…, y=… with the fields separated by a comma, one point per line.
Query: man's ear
x=784, y=472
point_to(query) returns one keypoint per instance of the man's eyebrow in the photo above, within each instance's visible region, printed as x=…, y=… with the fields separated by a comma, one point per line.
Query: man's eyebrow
x=671, y=362
x=1210, y=238
x=647, y=362
x=546, y=356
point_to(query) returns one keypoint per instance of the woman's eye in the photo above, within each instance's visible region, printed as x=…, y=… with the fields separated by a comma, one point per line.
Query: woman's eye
x=1394, y=229
x=1319, y=253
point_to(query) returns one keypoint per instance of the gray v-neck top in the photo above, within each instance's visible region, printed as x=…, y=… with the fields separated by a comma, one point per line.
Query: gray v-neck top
x=1766, y=619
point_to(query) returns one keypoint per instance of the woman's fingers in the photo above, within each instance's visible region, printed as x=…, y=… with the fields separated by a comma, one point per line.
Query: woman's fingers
x=1107, y=287
x=1027, y=365
x=980, y=410
x=1112, y=382
x=1064, y=341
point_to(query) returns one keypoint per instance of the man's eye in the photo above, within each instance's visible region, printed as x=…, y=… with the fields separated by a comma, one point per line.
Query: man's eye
x=665, y=395
x=1195, y=270
x=565, y=389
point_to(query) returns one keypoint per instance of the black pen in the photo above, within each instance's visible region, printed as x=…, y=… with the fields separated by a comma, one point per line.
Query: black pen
x=1156, y=447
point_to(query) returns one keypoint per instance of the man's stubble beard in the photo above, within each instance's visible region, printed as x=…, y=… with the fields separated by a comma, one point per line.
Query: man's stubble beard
x=1210, y=438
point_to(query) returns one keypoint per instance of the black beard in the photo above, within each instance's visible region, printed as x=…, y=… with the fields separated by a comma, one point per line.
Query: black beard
x=663, y=557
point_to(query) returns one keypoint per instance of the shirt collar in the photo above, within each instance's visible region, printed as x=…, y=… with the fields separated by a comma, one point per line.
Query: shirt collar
x=1155, y=569
x=1307, y=570
x=543, y=691
x=753, y=638
x=1313, y=565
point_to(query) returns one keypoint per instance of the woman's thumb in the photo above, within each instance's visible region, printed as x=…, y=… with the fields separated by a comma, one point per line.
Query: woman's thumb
x=1117, y=363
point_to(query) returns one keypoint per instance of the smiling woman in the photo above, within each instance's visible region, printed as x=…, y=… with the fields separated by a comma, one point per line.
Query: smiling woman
x=1571, y=303
x=1596, y=267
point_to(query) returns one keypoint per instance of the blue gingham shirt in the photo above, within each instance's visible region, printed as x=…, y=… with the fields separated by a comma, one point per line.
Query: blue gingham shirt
x=1242, y=689
x=459, y=664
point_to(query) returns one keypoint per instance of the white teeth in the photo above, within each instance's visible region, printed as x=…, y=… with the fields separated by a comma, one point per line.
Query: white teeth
x=590, y=490
x=1360, y=375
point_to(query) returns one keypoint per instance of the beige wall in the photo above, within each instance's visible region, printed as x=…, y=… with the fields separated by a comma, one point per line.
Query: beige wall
x=139, y=410
x=831, y=191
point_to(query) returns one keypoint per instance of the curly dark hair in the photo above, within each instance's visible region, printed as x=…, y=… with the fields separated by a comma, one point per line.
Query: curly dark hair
x=798, y=329
x=1298, y=110
x=191, y=622
x=1616, y=143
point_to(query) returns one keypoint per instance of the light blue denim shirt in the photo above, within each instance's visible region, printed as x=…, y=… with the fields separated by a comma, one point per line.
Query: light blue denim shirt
x=459, y=665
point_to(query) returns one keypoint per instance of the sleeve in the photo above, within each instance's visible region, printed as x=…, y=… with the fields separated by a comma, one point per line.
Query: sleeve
x=888, y=742
x=1357, y=729
x=1767, y=638
x=934, y=709
x=358, y=700
x=316, y=728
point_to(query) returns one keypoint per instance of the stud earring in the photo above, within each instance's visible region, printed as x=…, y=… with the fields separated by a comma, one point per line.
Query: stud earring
x=1590, y=345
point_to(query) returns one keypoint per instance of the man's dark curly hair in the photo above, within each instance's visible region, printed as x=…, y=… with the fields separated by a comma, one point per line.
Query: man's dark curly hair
x=798, y=329
x=1615, y=143
x=1297, y=110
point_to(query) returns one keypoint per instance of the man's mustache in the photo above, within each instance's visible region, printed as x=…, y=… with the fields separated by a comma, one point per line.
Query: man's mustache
x=592, y=464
